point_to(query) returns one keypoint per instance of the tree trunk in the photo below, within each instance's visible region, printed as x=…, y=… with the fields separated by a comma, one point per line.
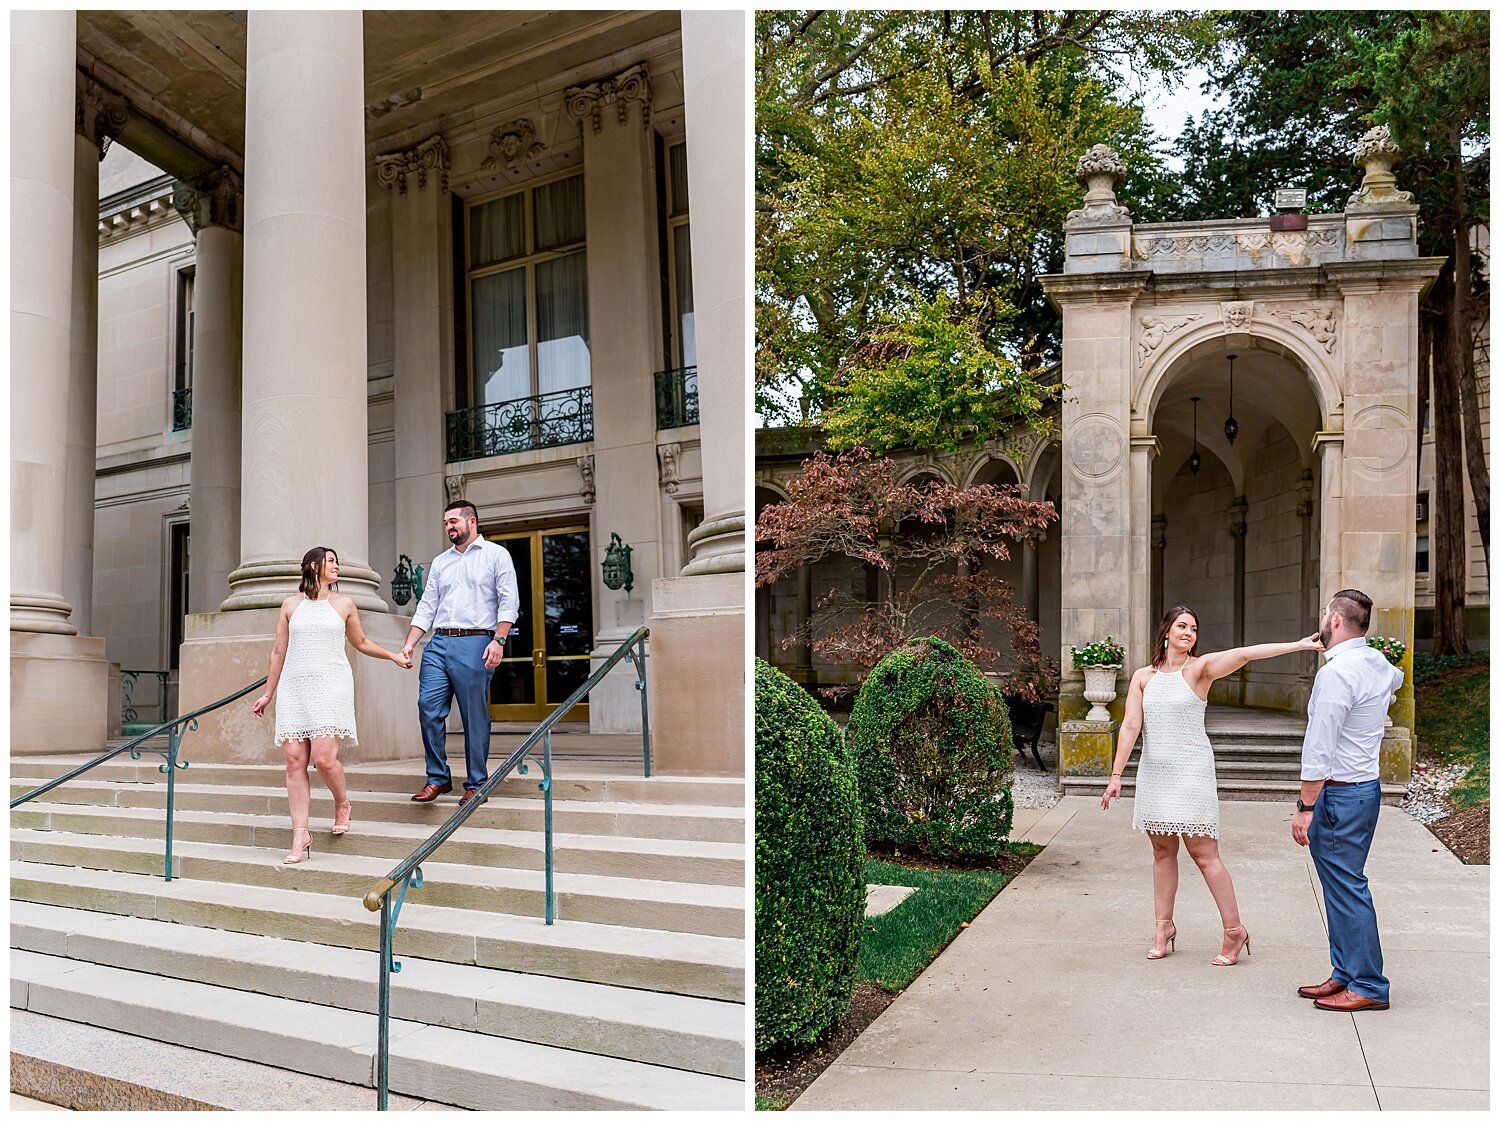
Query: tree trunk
x=1462, y=328
x=1448, y=551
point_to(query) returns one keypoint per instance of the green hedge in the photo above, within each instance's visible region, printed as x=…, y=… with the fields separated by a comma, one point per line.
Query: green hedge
x=932, y=743
x=809, y=870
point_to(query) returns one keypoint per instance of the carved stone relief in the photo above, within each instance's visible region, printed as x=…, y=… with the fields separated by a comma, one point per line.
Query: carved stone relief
x=215, y=199
x=1155, y=329
x=1321, y=323
x=454, y=484
x=586, y=469
x=512, y=145
x=669, y=458
x=100, y=114
x=1237, y=314
x=627, y=86
x=393, y=168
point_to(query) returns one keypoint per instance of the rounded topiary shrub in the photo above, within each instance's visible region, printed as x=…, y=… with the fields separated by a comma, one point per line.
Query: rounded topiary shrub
x=933, y=747
x=809, y=865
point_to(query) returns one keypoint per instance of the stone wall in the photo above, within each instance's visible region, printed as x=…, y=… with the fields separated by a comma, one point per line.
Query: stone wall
x=1199, y=556
x=1274, y=607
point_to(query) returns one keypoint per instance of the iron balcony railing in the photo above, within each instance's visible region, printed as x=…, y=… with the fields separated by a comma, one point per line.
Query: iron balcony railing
x=174, y=730
x=130, y=718
x=677, y=397
x=544, y=421
x=182, y=409
x=409, y=872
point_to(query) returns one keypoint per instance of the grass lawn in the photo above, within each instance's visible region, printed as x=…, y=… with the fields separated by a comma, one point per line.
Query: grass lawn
x=899, y=944
x=1453, y=718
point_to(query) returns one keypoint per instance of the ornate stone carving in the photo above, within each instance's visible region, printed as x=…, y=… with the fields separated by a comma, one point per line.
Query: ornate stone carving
x=1321, y=322
x=1284, y=243
x=1237, y=510
x=100, y=114
x=513, y=145
x=586, y=469
x=1155, y=329
x=1376, y=152
x=1237, y=314
x=1305, y=495
x=669, y=458
x=1095, y=449
x=454, y=484
x=215, y=199
x=1159, y=531
x=1099, y=170
x=430, y=155
x=627, y=86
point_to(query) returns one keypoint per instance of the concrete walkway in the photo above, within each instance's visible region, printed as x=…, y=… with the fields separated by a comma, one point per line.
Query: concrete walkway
x=1047, y=1001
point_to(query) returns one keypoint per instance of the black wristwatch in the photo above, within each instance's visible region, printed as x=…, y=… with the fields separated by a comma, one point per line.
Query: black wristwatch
x=1302, y=808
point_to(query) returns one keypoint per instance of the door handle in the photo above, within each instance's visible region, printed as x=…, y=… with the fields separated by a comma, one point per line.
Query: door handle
x=539, y=659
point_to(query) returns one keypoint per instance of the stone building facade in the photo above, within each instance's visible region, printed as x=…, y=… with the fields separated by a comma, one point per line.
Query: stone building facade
x=337, y=269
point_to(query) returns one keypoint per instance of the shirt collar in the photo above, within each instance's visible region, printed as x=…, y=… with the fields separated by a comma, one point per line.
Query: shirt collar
x=1347, y=644
x=478, y=541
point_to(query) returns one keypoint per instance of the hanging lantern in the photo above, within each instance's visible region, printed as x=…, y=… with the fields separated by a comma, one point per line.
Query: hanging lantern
x=407, y=581
x=1231, y=426
x=616, y=565
x=1196, y=460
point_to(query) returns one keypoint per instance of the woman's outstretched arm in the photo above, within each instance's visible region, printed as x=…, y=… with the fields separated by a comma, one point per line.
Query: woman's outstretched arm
x=1222, y=663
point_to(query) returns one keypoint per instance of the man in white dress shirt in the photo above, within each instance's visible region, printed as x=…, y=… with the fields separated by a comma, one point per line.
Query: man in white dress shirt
x=469, y=603
x=1340, y=800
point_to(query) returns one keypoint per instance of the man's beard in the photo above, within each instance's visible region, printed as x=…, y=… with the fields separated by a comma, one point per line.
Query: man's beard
x=1325, y=635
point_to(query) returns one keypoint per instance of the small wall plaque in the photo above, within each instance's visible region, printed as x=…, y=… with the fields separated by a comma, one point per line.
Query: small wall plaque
x=1290, y=199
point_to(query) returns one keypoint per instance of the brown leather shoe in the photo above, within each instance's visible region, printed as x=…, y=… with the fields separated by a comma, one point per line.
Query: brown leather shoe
x=1327, y=988
x=1350, y=1002
x=468, y=796
x=430, y=792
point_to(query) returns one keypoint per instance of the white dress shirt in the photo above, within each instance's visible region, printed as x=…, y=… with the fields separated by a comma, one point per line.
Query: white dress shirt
x=471, y=590
x=1346, y=713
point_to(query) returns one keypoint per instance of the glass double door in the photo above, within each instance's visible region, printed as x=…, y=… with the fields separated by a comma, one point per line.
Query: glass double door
x=547, y=654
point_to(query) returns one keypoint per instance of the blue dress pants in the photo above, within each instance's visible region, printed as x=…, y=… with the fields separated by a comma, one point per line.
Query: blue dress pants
x=1343, y=825
x=453, y=666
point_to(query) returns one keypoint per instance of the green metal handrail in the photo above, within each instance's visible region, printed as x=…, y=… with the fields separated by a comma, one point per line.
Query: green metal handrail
x=174, y=730
x=408, y=873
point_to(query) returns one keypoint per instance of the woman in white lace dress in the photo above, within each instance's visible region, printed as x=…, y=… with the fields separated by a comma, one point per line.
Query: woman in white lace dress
x=316, y=707
x=1176, y=793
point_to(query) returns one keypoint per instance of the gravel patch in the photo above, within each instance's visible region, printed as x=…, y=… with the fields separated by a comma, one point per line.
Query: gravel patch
x=1427, y=793
x=1034, y=789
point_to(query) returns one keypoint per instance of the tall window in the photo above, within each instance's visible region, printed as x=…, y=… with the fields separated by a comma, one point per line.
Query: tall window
x=528, y=292
x=684, y=340
x=184, y=329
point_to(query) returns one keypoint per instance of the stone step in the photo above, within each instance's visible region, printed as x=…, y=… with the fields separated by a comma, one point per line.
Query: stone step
x=683, y=823
x=705, y=862
x=406, y=778
x=77, y=1066
x=664, y=961
x=686, y=1033
x=653, y=904
x=1230, y=789
x=439, y=1063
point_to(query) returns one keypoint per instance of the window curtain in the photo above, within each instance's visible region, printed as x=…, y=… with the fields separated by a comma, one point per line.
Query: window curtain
x=687, y=338
x=502, y=366
x=562, y=323
x=497, y=231
x=559, y=213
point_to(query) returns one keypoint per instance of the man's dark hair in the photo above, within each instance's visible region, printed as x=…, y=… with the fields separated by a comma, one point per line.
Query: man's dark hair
x=465, y=505
x=1354, y=606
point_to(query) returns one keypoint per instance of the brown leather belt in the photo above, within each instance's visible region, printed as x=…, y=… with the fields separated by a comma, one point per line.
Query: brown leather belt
x=1343, y=782
x=458, y=632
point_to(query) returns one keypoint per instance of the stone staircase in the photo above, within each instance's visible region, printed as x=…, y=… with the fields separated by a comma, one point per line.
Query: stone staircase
x=1257, y=758
x=634, y=999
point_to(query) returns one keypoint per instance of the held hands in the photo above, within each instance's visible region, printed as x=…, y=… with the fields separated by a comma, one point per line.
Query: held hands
x=1311, y=642
x=402, y=658
x=259, y=707
x=1111, y=792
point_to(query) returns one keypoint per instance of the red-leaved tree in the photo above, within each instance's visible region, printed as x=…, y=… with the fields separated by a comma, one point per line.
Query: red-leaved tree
x=927, y=541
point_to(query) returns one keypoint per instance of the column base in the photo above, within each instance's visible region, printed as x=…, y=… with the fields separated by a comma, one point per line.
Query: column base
x=225, y=651
x=718, y=546
x=266, y=584
x=1396, y=751
x=59, y=694
x=697, y=675
x=1085, y=747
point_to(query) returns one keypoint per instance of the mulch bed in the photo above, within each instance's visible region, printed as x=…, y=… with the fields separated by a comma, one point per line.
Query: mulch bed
x=1008, y=863
x=1467, y=833
x=783, y=1073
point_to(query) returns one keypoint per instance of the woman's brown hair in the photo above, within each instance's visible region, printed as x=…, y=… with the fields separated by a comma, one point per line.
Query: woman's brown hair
x=1159, y=647
x=312, y=562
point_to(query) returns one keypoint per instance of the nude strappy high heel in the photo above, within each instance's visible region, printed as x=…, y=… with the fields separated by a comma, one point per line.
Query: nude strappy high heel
x=299, y=852
x=1153, y=954
x=1225, y=959
x=345, y=807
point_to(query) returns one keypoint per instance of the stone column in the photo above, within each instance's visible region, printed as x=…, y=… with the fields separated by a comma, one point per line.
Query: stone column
x=1238, y=508
x=59, y=678
x=304, y=445
x=1158, y=568
x=1307, y=610
x=420, y=223
x=698, y=626
x=624, y=344
x=1330, y=446
x=100, y=116
x=212, y=207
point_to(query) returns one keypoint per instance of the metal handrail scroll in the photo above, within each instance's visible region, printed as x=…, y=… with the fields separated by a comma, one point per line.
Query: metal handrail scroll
x=409, y=872
x=174, y=730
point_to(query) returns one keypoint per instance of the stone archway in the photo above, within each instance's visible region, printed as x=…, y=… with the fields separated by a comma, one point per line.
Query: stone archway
x=1326, y=315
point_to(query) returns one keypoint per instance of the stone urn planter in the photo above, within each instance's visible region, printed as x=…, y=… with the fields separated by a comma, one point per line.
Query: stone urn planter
x=1099, y=689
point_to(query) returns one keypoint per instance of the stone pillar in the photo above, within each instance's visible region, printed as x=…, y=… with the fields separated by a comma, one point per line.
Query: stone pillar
x=304, y=446
x=212, y=207
x=1158, y=569
x=420, y=224
x=58, y=677
x=1238, y=509
x=1308, y=611
x=624, y=346
x=698, y=670
x=1330, y=447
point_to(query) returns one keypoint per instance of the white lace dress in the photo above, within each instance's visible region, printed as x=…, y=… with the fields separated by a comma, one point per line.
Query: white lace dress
x=315, y=696
x=1175, y=788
